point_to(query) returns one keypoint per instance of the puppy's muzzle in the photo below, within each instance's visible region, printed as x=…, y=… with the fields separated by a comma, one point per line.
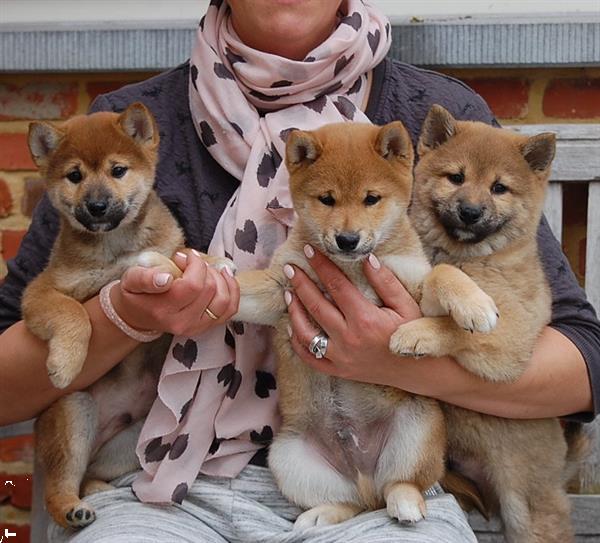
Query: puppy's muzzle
x=100, y=214
x=469, y=213
x=347, y=241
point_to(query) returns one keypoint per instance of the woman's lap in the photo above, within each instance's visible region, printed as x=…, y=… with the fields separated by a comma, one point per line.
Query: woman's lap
x=249, y=509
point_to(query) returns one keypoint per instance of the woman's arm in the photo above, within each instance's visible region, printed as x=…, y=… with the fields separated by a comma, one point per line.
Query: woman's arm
x=556, y=382
x=177, y=307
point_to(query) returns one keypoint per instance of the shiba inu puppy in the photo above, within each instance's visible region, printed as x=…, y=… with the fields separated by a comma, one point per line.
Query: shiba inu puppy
x=477, y=204
x=346, y=446
x=100, y=172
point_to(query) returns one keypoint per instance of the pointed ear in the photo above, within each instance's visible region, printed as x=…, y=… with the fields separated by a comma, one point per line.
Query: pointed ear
x=439, y=126
x=394, y=143
x=43, y=140
x=539, y=151
x=139, y=123
x=301, y=148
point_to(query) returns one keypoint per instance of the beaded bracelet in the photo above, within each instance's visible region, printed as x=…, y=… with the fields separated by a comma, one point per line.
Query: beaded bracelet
x=113, y=316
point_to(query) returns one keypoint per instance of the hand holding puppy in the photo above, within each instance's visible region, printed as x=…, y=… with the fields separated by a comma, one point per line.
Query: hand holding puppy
x=358, y=330
x=151, y=299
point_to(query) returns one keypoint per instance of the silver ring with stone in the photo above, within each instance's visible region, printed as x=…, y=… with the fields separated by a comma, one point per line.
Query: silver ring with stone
x=318, y=346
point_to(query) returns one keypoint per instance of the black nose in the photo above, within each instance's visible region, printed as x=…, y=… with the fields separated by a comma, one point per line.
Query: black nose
x=347, y=241
x=97, y=208
x=470, y=214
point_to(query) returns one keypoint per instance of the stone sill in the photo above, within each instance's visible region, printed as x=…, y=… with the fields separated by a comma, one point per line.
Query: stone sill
x=554, y=40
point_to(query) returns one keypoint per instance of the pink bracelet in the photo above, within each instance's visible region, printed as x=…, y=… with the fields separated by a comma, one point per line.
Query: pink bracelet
x=113, y=316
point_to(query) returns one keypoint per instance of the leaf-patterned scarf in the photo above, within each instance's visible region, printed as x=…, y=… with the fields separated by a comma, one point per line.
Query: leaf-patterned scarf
x=217, y=400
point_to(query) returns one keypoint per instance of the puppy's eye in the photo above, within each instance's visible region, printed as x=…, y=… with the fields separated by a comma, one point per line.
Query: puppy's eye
x=456, y=178
x=327, y=200
x=74, y=176
x=118, y=171
x=372, y=199
x=499, y=188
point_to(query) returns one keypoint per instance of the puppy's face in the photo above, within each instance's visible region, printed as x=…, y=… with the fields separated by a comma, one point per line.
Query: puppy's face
x=99, y=168
x=483, y=186
x=350, y=184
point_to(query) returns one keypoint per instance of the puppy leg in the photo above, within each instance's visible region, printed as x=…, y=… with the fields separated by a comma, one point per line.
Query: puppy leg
x=412, y=459
x=65, y=434
x=64, y=323
x=449, y=291
x=308, y=480
x=428, y=336
x=261, y=300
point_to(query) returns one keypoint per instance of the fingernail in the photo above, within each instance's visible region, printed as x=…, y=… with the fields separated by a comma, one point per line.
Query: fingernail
x=181, y=255
x=374, y=261
x=288, y=271
x=287, y=296
x=161, y=279
x=309, y=251
x=289, y=330
x=197, y=253
x=228, y=271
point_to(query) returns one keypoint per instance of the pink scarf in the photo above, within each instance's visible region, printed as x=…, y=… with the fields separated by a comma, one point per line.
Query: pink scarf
x=217, y=396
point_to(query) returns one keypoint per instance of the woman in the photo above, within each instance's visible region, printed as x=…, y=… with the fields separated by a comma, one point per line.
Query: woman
x=241, y=44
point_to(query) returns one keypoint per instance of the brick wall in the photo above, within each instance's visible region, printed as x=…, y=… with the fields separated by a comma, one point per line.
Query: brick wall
x=515, y=96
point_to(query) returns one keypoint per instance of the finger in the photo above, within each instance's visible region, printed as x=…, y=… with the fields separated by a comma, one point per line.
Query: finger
x=343, y=292
x=195, y=283
x=234, y=293
x=327, y=316
x=303, y=328
x=138, y=280
x=180, y=259
x=219, y=304
x=323, y=365
x=389, y=288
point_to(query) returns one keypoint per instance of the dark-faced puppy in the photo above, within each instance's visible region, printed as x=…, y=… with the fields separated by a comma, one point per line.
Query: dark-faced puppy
x=477, y=204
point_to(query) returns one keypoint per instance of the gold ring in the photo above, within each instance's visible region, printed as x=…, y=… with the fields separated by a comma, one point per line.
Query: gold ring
x=211, y=314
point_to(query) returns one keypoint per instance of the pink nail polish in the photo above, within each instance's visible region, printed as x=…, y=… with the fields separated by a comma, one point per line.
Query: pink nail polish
x=289, y=330
x=309, y=251
x=197, y=253
x=227, y=270
x=181, y=255
x=161, y=279
x=374, y=261
x=288, y=271
x=287, y=296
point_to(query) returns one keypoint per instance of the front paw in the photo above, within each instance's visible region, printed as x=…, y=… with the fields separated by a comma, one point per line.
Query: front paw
x=154, y=259
x=65, y=361
x=219, y=262
x=477, y=312
x=415, y=339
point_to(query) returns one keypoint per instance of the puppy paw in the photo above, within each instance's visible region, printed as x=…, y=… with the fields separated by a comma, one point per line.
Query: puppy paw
x=325, y=515
x=65, y=361
x=405, y=503
x=154, y=259
x=415, y=339
x=218, y=263
x=476, y=313
x=93, y=486
x=80, y=516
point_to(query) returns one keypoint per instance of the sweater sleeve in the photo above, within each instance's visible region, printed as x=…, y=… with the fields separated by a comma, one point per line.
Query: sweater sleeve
x=33, y=253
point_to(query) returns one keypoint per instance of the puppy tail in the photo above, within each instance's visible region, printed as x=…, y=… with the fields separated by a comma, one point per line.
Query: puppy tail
x=578, y=448
x=466, y=493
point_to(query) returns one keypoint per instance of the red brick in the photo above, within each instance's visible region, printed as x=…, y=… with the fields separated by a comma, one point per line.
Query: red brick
x=6, y=200
x=14, y=153
x=33, y=191
x=507, y=98
x=11, y=239
x=16, y=490
x=102, y=87
x=21, y=531
x=17, y=448
x=572, y=98
x=39, y=100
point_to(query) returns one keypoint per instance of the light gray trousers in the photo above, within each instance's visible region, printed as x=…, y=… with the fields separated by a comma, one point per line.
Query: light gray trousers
x=250, y=509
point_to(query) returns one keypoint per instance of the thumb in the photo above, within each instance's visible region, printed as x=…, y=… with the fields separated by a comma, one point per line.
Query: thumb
x=138, y=280
x=389, y=288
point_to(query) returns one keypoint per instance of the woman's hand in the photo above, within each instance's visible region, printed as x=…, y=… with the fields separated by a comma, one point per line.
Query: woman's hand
x=148, y=299
x=358, y=330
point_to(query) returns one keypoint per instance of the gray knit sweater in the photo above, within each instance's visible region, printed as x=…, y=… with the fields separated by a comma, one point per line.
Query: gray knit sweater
x=196, y=189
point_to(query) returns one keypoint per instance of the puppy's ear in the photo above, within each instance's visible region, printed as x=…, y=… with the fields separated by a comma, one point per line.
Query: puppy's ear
x=43, y=140
x=539, y=151
x=393, y=142
x=139, y=123
x=439, y=126
x=301, y=148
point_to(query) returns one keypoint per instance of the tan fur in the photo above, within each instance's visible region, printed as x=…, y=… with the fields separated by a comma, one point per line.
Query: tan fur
x=326, y=418
x=73, y=430
x=518, y=464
